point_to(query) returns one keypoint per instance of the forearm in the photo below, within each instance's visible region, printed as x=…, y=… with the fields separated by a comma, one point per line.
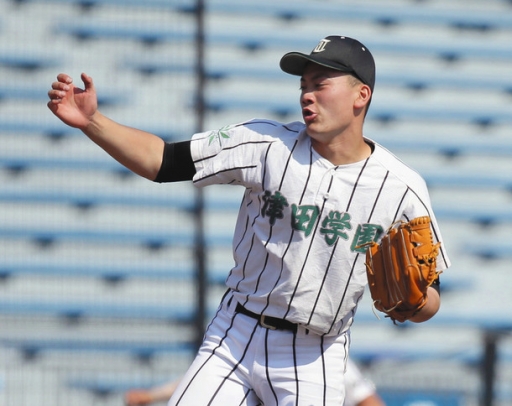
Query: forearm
x=431, y=307
x=137, y=150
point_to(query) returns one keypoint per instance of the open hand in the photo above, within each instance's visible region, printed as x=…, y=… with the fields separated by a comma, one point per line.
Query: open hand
x=74, y=106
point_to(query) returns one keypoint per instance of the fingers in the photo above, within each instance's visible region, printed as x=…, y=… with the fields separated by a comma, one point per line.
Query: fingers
x=62, y=77
x=88, y=83
x=52, y=105
x=58, y=91
x=86, y=78
x=64, y=84
x=59, y=88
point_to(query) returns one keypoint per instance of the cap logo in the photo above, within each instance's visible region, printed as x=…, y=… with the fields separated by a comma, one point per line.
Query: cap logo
x=321, y=45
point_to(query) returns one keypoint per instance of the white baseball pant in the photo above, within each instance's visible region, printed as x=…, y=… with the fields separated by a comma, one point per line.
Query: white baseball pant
x=242, y=363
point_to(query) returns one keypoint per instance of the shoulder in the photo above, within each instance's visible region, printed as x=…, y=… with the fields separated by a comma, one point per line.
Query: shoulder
x=272, y=128
x=396, y=167
x=255, y=130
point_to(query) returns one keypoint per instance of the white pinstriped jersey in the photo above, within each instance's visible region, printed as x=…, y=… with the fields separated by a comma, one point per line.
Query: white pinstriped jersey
x=302, y=219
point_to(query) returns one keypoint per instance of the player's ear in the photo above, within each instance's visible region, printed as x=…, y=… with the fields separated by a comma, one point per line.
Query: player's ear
x=364, y=96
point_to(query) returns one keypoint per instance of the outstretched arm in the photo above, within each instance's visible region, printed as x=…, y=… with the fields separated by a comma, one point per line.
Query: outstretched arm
x=139, y=151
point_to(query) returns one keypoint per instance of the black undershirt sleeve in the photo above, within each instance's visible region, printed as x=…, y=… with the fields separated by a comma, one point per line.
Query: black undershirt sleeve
x=177, y=164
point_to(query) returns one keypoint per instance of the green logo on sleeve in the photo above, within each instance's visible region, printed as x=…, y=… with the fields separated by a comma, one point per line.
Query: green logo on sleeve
x=219, y=135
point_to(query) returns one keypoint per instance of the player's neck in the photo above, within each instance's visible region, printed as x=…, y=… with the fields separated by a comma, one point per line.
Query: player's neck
x=343, y=151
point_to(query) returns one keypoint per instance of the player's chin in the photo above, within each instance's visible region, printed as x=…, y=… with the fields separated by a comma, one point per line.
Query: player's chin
x=312, y=127
x=314, y=131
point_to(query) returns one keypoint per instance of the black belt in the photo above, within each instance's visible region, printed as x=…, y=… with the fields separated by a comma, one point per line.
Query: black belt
x=272, y=323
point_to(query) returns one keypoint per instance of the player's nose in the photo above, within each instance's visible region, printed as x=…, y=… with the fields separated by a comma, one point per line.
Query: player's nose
x=306, y=98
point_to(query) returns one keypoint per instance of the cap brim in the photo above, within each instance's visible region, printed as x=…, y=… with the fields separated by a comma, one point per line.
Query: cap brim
x=294, y=63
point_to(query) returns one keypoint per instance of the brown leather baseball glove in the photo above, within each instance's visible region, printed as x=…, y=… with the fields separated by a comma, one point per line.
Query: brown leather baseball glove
x=401, y=267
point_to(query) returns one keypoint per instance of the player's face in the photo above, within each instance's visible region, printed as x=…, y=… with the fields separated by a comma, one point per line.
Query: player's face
x=328, y=99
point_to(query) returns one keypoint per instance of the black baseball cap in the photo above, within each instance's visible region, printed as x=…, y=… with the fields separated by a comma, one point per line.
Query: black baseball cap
x=341, y=53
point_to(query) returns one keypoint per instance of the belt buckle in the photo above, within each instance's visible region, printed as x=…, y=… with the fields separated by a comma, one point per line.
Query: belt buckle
x=265, y=325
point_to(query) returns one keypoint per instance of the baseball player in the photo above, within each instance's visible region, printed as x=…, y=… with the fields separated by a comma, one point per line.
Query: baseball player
x=359, y=391
x=315, y=193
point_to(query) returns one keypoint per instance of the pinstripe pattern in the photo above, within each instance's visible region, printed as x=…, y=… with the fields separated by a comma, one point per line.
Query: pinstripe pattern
x=297, y=256
x=301, y=219
x=182, y=399
x=265, y=367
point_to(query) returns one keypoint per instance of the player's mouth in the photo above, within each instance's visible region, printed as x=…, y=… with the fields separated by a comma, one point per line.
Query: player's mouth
x=308, y=115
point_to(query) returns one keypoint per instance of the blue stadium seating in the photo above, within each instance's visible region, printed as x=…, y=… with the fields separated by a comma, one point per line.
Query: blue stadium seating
x=393, y=397
x=104, y=385
x=149, y=238
x=26, y=61
x=77, y=310
x=449, y=147
x=378, y=14
x=91, y=198
x=110, y=272
x=152, y=34
x=31, y=347
x=489, y=249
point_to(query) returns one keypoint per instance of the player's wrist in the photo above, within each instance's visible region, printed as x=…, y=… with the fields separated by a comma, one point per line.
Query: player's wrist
x=92, y=123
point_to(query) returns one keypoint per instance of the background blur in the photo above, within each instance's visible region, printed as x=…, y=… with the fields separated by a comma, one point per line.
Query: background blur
x=98, y=288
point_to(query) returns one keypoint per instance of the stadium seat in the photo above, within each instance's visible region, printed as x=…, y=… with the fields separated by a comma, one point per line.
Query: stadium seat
x=481, y=20
x=31, y=347
x=448, y=50
x=108, y=272
x=77, y=310
x=153, y=239
x=26, y=61
x=420, y=398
